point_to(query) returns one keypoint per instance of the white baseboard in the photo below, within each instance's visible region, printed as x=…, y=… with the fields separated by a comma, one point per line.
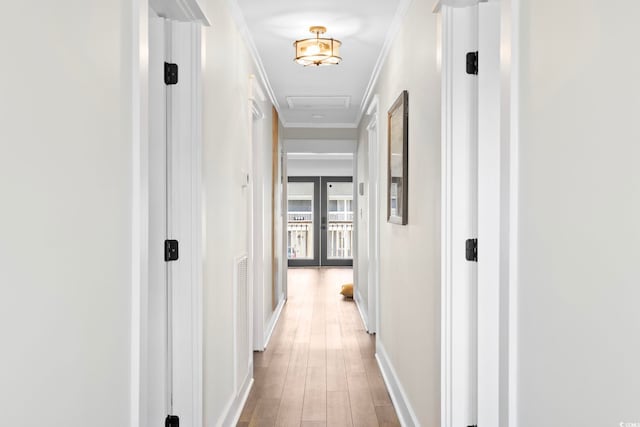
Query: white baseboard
x=274, y=321
x=363, y=314
x=234, y=408
x=406, y=415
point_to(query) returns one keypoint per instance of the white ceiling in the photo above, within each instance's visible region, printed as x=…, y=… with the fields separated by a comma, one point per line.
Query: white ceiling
x=361, y=25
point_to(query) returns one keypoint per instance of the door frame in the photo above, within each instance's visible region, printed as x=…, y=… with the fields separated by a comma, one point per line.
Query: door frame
x=504, y=300
x=257, y=220
x=136, y=70
x=489, y=214
x=373, y=293
x=315, y=262
x=459, y=142
x=324, y=259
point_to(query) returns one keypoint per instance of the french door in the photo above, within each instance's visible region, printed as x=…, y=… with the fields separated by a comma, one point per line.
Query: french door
x=320, y=221
x=336, y=221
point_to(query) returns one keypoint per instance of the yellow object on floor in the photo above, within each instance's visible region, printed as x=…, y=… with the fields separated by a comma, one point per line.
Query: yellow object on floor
x=347, y=290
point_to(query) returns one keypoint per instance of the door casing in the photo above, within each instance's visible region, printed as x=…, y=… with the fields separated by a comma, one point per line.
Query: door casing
x=471, y=303
x=173, y=335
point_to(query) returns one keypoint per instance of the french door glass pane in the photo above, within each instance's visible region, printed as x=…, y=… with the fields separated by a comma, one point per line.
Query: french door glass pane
x=340, y=220
x=300, y=218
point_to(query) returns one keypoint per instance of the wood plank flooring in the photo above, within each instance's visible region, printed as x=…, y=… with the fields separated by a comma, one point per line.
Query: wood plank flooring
x=319, y=369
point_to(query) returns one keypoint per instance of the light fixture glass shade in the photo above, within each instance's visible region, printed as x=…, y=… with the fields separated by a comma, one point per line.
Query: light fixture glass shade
x=317, y=51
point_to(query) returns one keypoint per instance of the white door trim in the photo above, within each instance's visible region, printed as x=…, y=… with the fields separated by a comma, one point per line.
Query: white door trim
x=138, y=72
x=446, y=347
x=257, y=220
x=509, y=206
x=458, y=218
x=284, y=234
x=509, y=259
x=373, y=142
x=138, y=35
x=489, y=214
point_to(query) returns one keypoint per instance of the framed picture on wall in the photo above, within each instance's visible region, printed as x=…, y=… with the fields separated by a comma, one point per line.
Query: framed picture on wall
x=398, y=160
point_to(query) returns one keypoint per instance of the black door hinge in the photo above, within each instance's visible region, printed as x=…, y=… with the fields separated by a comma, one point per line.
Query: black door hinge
x=172, y=421
x=170, y=250
x=472, y=250
x=472, y=62
x=170, y=73
x=475, y=425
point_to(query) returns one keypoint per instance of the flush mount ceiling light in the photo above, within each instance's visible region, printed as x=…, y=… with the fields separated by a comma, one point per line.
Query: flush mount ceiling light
x=318, y=51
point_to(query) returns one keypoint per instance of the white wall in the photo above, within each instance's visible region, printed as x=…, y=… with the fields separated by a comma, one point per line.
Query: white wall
x=226, y=150
x=320, y=133
x=410, y=255
x=65, y=221
x=578, y=280
x=320, y=167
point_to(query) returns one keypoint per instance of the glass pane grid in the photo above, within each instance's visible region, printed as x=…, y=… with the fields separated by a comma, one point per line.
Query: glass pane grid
x=340, y=220
x=300, y=220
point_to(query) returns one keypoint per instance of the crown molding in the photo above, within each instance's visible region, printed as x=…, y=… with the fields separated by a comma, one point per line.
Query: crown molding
x=394, y=28
x=238, y=17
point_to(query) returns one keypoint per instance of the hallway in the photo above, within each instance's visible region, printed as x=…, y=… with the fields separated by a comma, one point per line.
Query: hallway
x=320, y=368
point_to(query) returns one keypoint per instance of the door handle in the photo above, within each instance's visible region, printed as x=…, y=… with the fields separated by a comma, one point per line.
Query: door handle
x=324, y=223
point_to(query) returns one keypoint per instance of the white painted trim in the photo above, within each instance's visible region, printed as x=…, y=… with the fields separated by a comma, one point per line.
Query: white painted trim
x=510, y=47
x=139, y=74
x=140, y=222
x=374, y=105
x=256, y=97
x=373, y=272
x=446, y=347
x=256, y=92
x=355, y=266
x=231, y=414
x=243, y=29
x=256, y=110
x=274, y=321
x=284, y=261
x=198, y=243
x=489, y=215
x=402, y=405
x=357, y=298
x=256, y=220
x=394, y=28
x=458, y=219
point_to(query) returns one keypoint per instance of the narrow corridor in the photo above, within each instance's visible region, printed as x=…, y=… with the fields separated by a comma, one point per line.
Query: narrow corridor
x=320, y=368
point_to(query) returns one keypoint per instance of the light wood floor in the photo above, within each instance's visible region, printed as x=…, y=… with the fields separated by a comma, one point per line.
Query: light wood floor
x=319, y=369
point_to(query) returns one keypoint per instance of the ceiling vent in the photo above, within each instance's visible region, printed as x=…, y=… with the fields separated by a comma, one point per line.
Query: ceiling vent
x=319, y=102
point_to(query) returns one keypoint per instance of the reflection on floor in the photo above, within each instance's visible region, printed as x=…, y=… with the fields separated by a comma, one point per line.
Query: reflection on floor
x=319, y=369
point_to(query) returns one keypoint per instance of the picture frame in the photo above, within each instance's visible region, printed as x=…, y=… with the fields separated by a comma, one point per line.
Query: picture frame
x=398, y=160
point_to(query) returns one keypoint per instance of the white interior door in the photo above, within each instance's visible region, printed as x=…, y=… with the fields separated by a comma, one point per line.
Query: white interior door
x=174, y=309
